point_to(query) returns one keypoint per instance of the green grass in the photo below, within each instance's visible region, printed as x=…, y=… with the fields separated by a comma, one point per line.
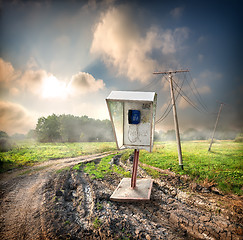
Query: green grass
x=102, y=169
x=27, y=153
x=152, y=172
x=222, y=166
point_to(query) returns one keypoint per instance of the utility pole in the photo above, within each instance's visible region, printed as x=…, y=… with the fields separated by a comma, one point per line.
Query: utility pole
x=175, y=113
x=220, y=108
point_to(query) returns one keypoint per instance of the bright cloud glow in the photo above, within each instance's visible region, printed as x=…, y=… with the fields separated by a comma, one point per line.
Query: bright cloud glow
x=53, y=88
x=80, y=83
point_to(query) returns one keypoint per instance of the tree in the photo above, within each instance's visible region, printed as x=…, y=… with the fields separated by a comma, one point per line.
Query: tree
x=48, y=129
x=69, y=128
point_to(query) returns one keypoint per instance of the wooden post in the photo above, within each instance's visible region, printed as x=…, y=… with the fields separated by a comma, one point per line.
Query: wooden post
x=175, y=113
x=135, y=168
x=176, y=123
x=220, y=108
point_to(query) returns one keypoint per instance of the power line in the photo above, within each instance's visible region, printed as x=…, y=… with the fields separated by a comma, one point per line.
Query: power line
x=220, y=108
x=149, y=85
x=169, y=105
x=165, y=114
x=202, y=108
x=185, y=97
x=199, y=98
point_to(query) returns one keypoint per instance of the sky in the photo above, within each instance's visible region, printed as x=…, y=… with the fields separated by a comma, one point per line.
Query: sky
x=65, y=57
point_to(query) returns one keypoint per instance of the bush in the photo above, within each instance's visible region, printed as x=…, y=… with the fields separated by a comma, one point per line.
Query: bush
x=5, y=144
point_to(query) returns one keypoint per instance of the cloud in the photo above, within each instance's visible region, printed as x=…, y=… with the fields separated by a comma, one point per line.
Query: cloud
x=84, y=83
x=15, y=81
x=183, y=104
x=32, y=80
x=123, y=44
x=202, y=39
x=14, y=91
x=200, y=85
x=44, y=84
x=168, y=42
x=32, y=64
x=171, y=39
x=15, y=118
x=204, y=89
x=8, y=78
x=63, y=41
x=177, y=12
x=7, y=72
x=208, y=75
x=117, y=40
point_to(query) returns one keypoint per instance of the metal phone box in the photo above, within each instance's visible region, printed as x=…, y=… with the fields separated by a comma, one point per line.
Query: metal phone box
x=132, y=116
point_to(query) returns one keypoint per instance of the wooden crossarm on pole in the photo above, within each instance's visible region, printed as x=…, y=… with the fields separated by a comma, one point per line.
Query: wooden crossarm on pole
x=170, y=72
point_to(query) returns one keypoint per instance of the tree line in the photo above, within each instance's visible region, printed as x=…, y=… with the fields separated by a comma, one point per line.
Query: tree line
x=69, y=128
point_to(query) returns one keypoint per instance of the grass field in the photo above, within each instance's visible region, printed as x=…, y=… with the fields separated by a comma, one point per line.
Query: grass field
x=222, y=166
x=27, y=153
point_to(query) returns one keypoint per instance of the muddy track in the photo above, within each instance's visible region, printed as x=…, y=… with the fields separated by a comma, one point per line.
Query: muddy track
x=22, y=198
x=46, y=204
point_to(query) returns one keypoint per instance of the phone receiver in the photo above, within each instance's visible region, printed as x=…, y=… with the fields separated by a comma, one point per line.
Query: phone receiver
x=134, y=116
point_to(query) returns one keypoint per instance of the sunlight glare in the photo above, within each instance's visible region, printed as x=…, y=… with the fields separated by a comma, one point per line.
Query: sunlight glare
x=53, y=88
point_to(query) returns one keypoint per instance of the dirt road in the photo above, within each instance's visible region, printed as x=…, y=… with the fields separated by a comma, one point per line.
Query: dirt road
x=44, y=203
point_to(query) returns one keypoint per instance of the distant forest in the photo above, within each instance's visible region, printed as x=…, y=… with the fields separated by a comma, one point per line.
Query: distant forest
x=69, y=128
